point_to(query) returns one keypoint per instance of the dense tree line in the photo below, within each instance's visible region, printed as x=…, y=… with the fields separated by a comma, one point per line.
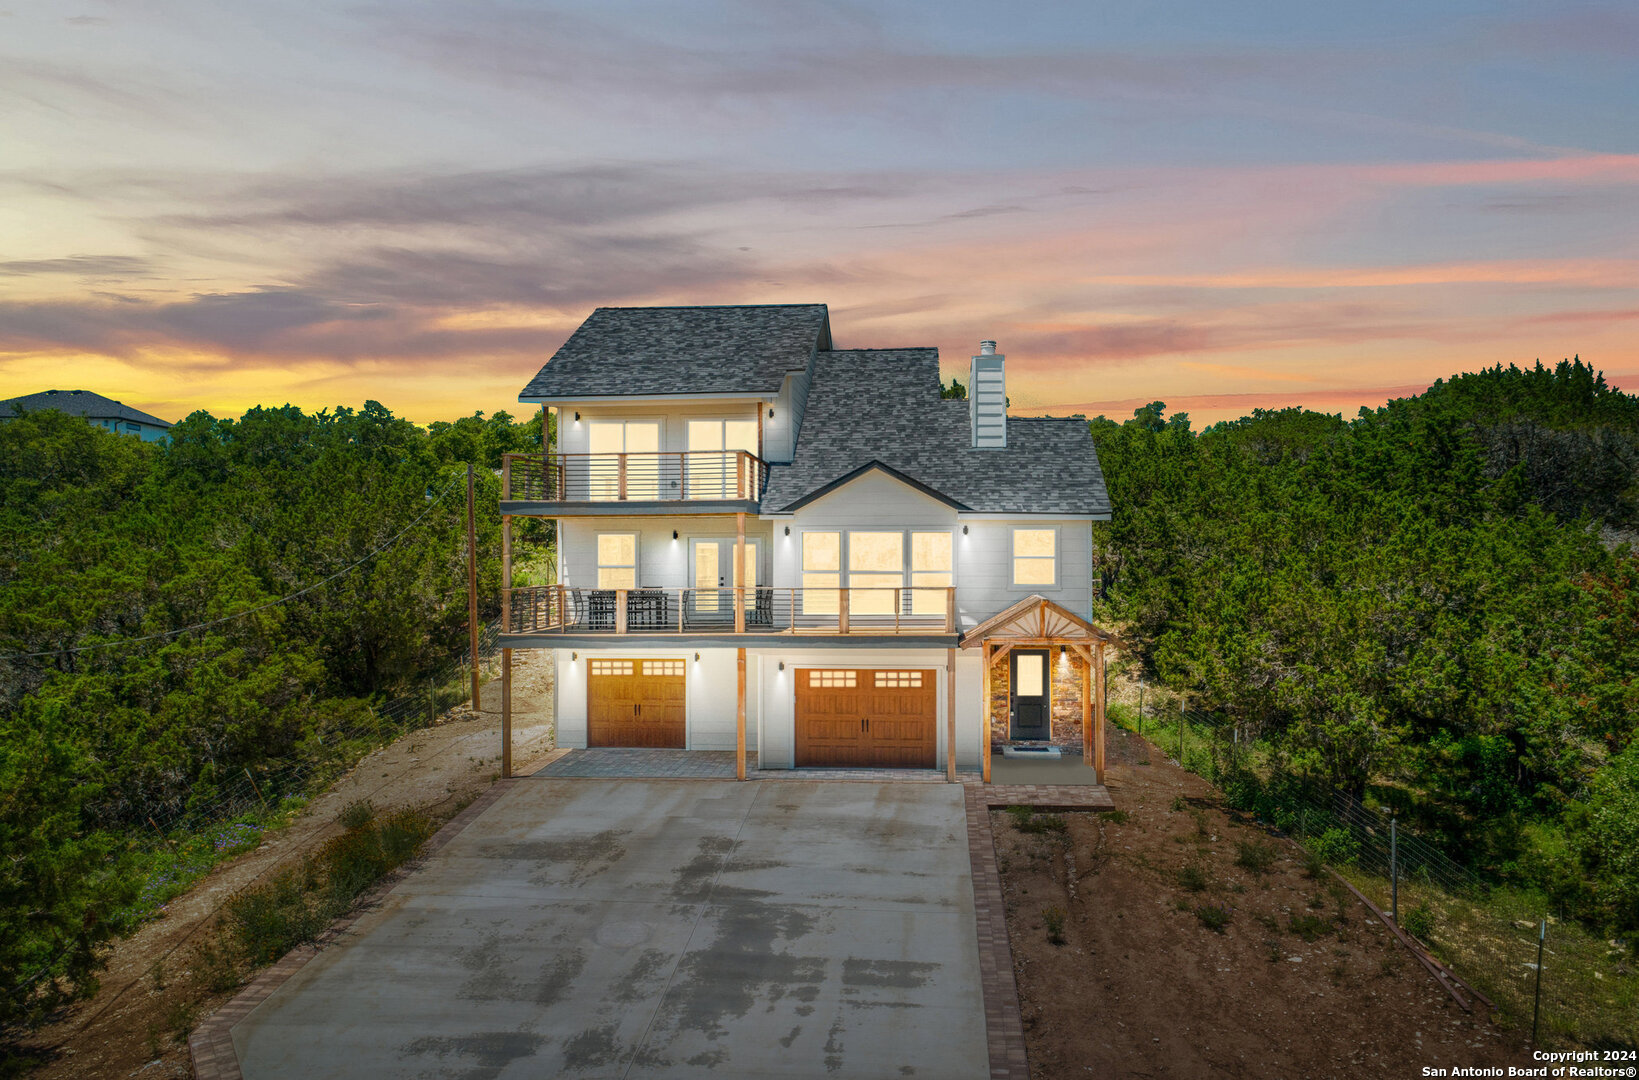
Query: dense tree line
x=110, y=723
x=1430, y=605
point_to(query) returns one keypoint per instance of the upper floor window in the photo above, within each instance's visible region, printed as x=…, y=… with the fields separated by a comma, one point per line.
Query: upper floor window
x=821, y=571
x=876, y=567
x=611, y=476
x=617, y=560
x=713, y=466
x=1035, y=556
x=930, y=571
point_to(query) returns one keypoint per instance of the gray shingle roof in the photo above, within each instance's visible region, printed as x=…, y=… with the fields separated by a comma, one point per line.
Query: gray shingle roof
x=883, y=405
x=683, y=350
x=84, y=403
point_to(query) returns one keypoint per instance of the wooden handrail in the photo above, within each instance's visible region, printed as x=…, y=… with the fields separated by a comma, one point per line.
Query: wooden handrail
x=729, y=610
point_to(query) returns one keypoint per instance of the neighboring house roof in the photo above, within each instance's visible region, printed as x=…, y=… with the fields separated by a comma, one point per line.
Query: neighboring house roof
x=746, y=349
x=882, y=406
x=78, y=403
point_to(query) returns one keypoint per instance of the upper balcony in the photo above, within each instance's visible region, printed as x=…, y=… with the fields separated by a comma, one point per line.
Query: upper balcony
x=708, y=481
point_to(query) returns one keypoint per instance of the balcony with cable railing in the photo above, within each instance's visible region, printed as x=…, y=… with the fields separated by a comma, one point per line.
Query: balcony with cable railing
x=569, y=610
x=718, y=479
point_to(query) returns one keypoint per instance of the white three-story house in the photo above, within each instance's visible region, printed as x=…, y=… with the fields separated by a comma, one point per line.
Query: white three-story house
x=803, y=553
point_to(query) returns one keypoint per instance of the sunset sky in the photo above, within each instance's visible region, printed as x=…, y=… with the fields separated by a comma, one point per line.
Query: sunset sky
x=1224, y=206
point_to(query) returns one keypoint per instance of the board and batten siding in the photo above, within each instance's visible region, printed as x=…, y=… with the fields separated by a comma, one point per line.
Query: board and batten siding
x=982, y=559
x=711, y=707
x=662, y=563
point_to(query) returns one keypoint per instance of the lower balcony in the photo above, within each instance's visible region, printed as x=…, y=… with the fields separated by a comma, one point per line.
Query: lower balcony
x=754, y=612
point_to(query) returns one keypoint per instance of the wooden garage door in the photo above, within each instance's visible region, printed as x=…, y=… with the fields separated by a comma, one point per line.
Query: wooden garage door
x=635, y=703
x=886, y=718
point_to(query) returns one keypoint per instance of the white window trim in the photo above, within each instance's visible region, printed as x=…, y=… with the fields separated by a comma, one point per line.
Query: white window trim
x=1058, y=559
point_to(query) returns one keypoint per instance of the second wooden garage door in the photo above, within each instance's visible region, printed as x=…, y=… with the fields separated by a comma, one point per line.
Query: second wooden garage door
x=635, y=703
x=885, y=718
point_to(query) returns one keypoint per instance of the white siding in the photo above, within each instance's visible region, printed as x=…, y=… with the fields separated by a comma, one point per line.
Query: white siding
x=777, y=709
x=779, y=431
x=662, y=563
x=712, y=707
x=575, y=437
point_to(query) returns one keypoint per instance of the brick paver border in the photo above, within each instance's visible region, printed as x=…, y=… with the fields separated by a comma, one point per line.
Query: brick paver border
x=212, y=1041
x=1004, y=1028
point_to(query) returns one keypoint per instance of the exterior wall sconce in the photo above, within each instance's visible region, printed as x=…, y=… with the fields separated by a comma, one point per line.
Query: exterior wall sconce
x=771, y=414
x=674, y=534
x=577, y=417
x=782, y=665
x=696, y=658
x=573, y=657
x=788, y=530
x=964, y=530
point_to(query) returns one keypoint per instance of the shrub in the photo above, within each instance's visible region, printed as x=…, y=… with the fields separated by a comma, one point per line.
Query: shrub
x=1192, y=876
x=1027, y=820
x=1336, y=846
x=1117, y=817
x=1419, y=922
x=356, y=814
x=1053, y=919
x=1255, y=855
x=1213, y=916
x=1179, y=803
x=1242, y=791
x=268, y=921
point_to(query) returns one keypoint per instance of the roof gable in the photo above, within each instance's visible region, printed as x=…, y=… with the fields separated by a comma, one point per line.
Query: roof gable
x=664, y=351
x=1036, y=618
x=871, y=467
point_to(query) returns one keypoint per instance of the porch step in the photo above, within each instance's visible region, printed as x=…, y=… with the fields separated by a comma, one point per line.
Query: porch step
x=1038, y=752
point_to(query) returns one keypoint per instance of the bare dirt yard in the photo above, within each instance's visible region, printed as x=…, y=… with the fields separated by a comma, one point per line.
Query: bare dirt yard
x=1195, y=944
x=137, y=1024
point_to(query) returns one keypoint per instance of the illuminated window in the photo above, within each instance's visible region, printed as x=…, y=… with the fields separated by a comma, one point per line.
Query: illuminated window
x=611, y=667
x=617, y=560
x=713, y=466
x=876, y=567
x=839, y=680
x=663, y=667
x=821, y=572
x=608, y=440
x=899, y=679
x=1035, y=556
x=930, y=572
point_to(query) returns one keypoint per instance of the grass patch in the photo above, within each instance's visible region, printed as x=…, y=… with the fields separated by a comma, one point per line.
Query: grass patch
x=1193, y=877
x=1053, y=919
x=1310, y=928
x=1214, y=917
x=1117, y=817
x=1255, y=855
x=1026, y=820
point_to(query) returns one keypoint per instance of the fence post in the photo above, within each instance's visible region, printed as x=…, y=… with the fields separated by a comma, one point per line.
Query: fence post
x=1536, y=1006
x=1182, y=699
x=1394, y=867
x=1141, y=707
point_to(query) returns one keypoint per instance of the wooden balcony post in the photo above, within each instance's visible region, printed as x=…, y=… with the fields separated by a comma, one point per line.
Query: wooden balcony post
x=1086, y=704
x=950, y=716
x=620, y=466
x=842, y=611
x=506, y=550
x=950, y=609
x=506, y=713
x=740, y=577
x=620, y=611
x=1098, y=712
x=740, y=717
x=472, y=587
x=984, y=716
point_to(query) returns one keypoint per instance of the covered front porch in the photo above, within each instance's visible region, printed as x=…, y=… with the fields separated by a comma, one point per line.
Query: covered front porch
x=1043, y=684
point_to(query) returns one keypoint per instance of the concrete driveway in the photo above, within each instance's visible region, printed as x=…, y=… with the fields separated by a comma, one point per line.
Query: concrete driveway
x=641, y=928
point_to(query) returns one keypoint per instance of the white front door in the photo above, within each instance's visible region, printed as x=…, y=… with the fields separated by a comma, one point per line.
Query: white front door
x=713, y=560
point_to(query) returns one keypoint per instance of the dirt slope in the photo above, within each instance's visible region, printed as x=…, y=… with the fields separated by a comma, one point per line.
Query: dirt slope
x=1142, y=987
x=116, y=1033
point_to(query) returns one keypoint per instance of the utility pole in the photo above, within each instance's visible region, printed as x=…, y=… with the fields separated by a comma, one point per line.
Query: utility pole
x=472, y=586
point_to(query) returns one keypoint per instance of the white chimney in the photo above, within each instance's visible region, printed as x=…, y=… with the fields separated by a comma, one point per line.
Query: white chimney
x=987, y=398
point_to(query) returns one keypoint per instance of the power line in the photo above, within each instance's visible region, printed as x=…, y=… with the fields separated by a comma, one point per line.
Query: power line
x=249, y=611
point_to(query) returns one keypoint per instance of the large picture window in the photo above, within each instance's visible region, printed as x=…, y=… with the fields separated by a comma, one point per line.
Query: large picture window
x=1035, y=556
x=930, y=571
x=608, y=440
x=617, y=560
x=821, y=572
x=876, y=567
